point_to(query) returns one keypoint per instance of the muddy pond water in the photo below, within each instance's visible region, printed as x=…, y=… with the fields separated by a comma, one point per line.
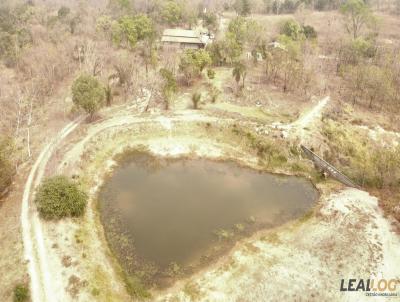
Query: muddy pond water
x=164, y=218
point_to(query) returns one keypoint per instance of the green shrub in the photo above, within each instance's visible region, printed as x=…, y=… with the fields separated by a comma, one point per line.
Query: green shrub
x=6, y=168
x=104, y=23
x=59, y=197
x=296, y=32
x=309, y=32
x=292, y=29
x=364, y=162
x=214, y=92
x=211, y=74
x=63, y=12
x=21, y=293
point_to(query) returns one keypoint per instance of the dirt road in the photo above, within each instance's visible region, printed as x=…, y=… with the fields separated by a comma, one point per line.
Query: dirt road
x=306, y=119
x=297, y=128
x=34, y=249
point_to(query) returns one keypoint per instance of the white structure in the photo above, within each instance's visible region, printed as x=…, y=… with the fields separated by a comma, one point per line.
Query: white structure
x=185, y=38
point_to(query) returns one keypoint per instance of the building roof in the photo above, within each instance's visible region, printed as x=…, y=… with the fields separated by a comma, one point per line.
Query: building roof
x=177, y=32
x=275, y=44
x=181, y=36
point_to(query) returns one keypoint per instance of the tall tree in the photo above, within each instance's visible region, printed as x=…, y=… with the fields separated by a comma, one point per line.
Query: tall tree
x=169, y=87
x=357, y=15
x=196, y=98
x=172, y=13
x=128, y=30
x=193, y=63
x=210, y=21
x=239, y=73
x=88, y=93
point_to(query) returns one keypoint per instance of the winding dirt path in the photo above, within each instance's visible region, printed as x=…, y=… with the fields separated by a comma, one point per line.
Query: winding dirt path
x=297, y=127
x=32, y=234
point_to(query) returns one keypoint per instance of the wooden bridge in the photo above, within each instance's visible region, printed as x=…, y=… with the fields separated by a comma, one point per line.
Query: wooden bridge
x=328, y=168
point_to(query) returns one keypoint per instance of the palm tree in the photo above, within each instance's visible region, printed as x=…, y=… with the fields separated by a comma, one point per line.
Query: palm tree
x=239, y=72
x=196, y=98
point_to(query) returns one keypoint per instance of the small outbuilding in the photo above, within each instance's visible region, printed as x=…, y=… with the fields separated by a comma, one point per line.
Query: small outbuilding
x=184, y=38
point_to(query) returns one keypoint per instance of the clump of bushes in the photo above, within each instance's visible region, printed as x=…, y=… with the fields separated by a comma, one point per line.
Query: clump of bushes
x=295, y=31
x=59, y=197
x=358, y=157
x=192, y=64
x=21, y=293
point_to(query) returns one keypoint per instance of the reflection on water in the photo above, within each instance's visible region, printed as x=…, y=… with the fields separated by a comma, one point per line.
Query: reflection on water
x=159, y=212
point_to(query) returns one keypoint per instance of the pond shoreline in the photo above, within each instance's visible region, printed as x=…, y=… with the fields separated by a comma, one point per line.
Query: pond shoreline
x=235, y=231
x=97, y=159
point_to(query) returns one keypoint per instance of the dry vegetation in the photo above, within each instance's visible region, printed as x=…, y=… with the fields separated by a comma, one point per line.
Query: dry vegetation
x=268, y=60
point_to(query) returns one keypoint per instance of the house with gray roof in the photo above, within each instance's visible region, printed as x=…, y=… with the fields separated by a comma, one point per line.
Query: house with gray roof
x=184, y=38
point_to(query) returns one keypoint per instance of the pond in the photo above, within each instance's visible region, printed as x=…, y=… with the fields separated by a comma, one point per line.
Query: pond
x=165, y=218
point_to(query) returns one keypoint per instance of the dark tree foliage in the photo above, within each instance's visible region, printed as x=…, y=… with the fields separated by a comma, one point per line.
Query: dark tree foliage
x=6, y=168
x=88, y=93
x=309, y=32
x=59, y=197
